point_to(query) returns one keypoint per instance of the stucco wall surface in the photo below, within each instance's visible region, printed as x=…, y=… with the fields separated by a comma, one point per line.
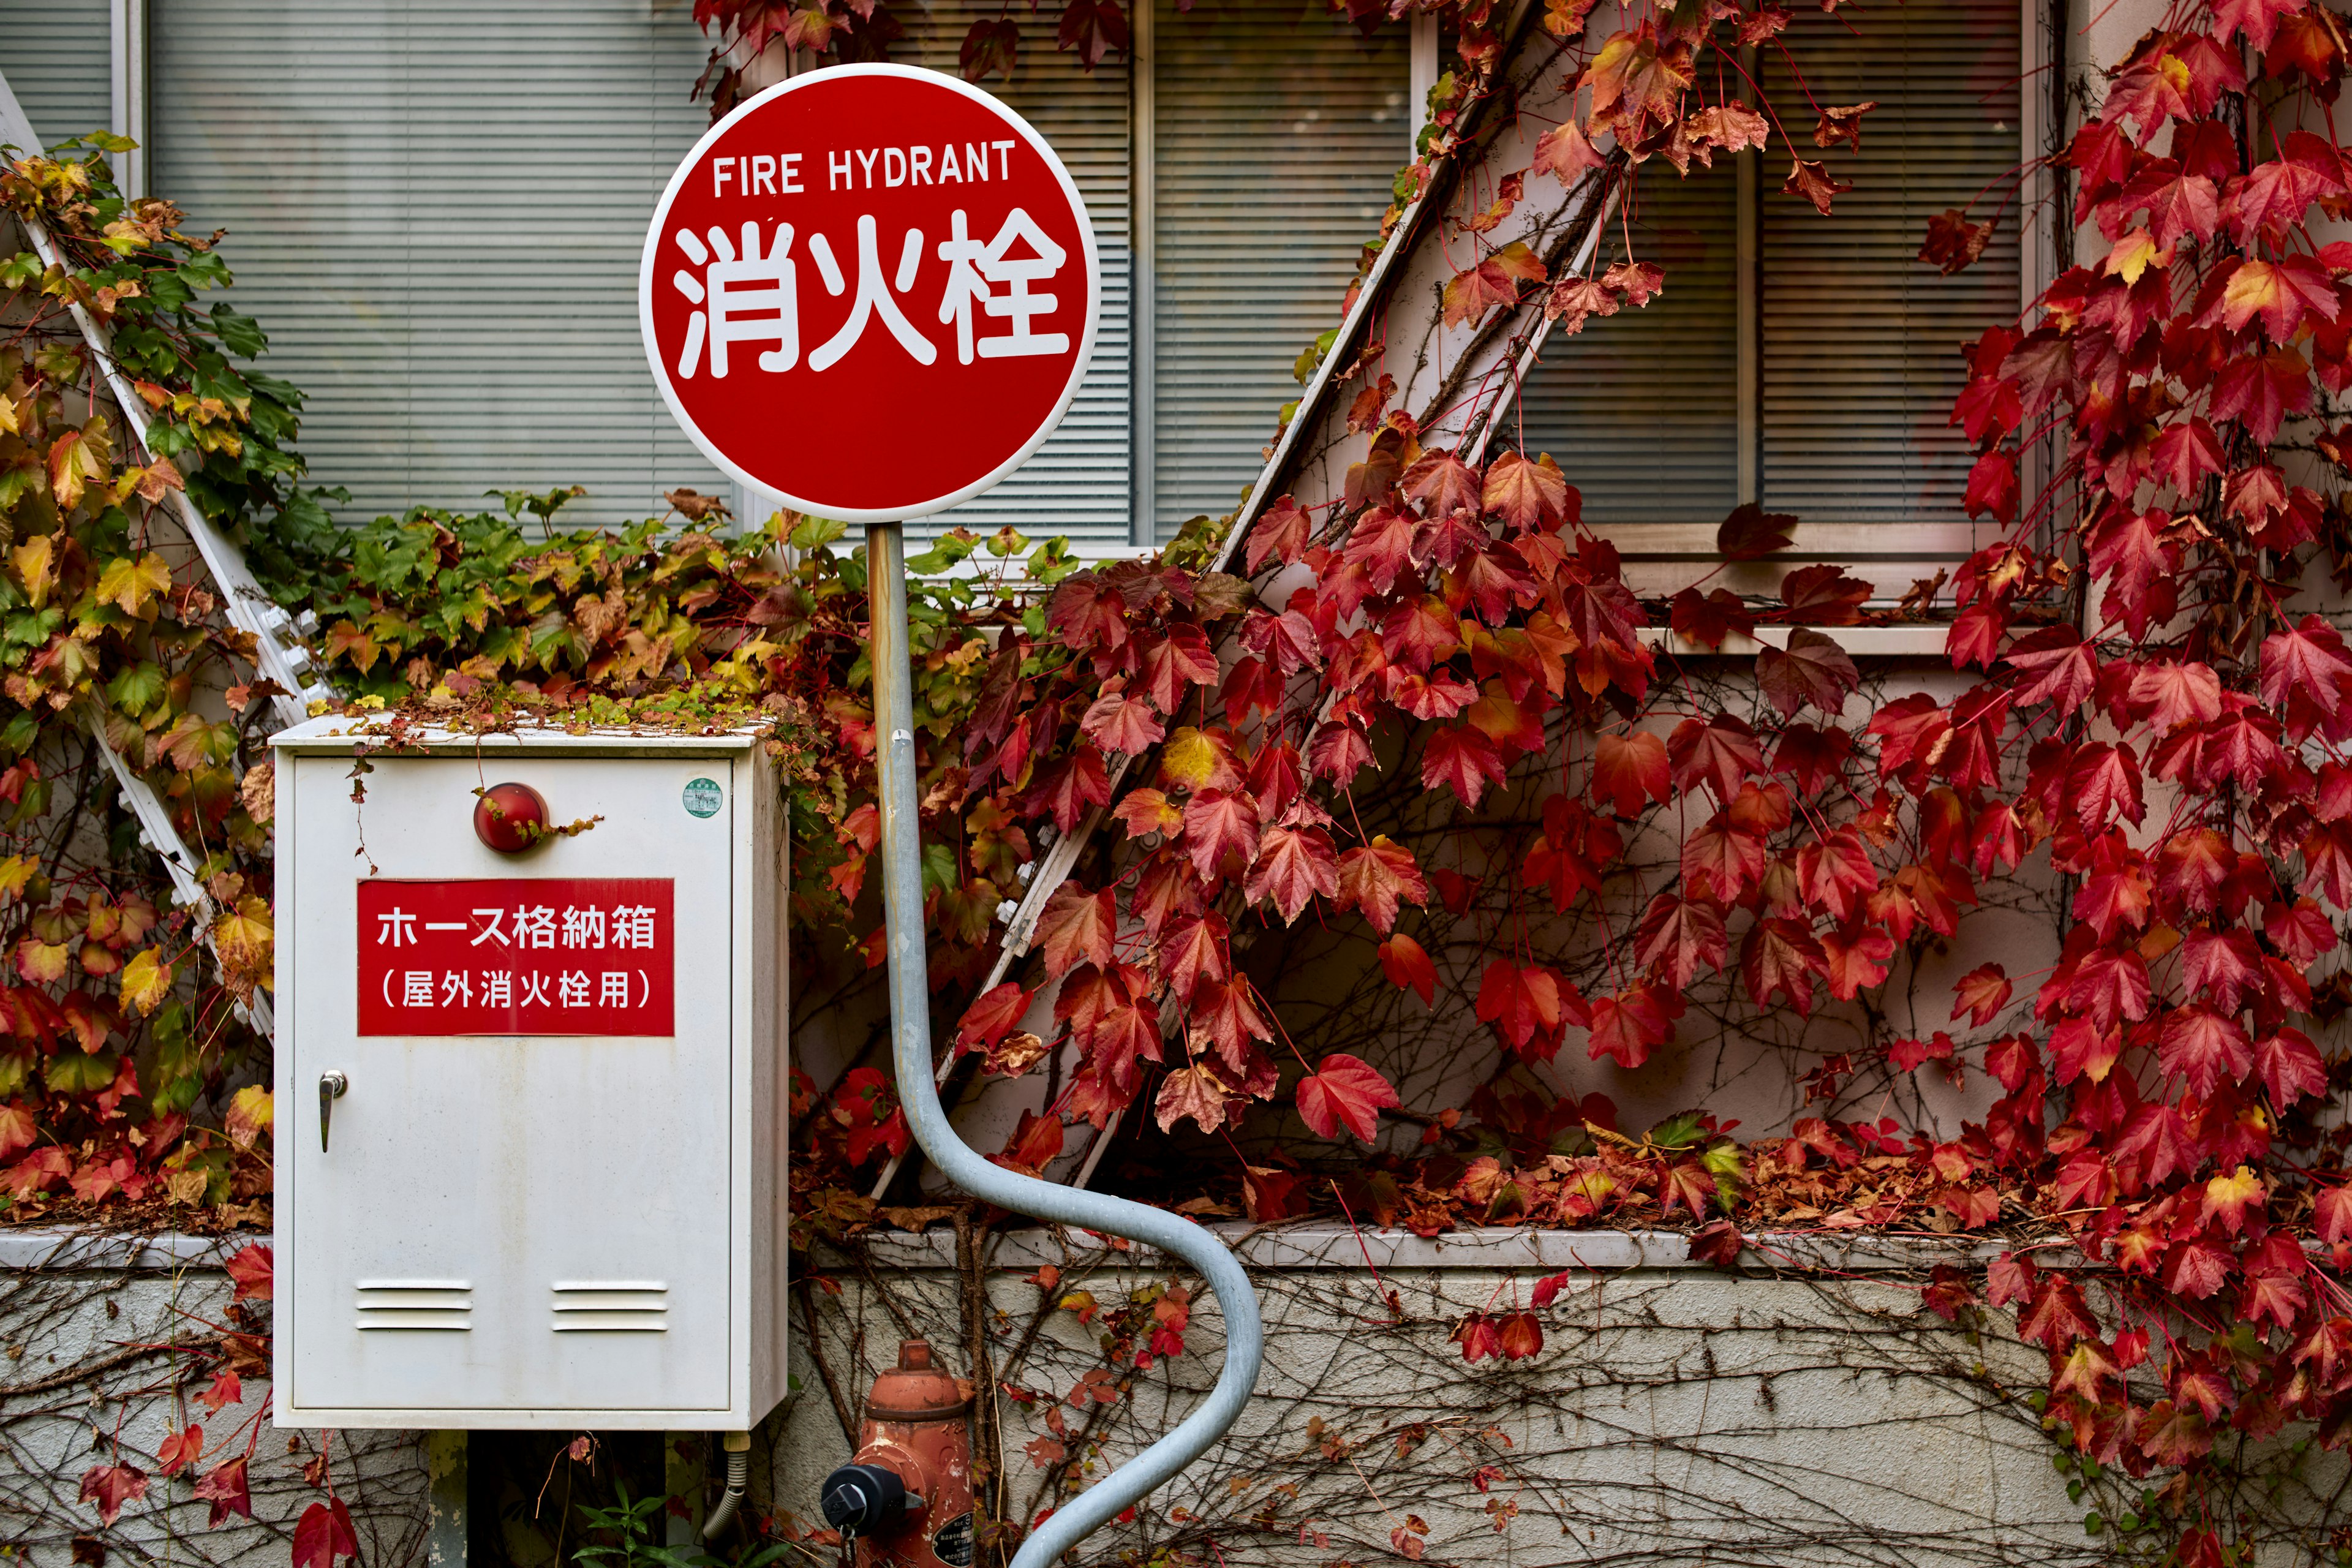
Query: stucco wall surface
x=1674, y=1414
x=107, y=1342
x=1808, y=1411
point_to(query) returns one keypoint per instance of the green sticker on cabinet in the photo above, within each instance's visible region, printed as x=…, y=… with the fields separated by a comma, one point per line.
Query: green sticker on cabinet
x=703, y=797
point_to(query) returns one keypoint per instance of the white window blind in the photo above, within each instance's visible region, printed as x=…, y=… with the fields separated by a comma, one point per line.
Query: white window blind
x=1861, y=339
x=1079, y=483
x=1276, y=133
x=436, y=208
x=1642, y=409
x=1855, y=359
x=55, y=55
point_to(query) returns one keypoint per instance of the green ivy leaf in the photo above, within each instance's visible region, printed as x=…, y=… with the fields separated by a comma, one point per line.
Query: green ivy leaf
x=73, y=1072
x=813, y=533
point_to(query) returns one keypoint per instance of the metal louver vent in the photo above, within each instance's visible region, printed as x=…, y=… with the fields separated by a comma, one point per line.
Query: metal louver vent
x=446, y=1305
x=609, y=1306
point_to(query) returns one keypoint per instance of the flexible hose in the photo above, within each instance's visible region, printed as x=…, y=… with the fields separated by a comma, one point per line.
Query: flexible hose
x=902, y=896
x=738, y=1477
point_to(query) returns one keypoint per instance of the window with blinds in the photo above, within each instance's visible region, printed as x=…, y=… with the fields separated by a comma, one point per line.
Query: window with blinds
x=1255, y=141
x=57, y=55
x=1077, y=484
x=1855, y=356
x=435, y=208
x=1642, y=408
x=1276, y=134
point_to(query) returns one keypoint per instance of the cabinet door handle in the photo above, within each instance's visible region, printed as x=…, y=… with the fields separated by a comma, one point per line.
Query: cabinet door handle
x=331, y=1086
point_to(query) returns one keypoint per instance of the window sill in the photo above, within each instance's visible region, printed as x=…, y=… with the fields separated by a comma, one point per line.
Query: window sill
x=1925, y=641
x=1320, y=1244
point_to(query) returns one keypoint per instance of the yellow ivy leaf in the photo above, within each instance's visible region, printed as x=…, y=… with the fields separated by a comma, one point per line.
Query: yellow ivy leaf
x=245, y=938
x=76, y=458
x=251, y=1114
x=8, y=417
x=259, y=790
x=2133, y=254
x=186, y=1186
x=1193, y=760
x=146, y=981
x=35, y=564
x=42, y=963
x=17, y=1128
x=134, y=584
x=156, y=479
x=15, y=872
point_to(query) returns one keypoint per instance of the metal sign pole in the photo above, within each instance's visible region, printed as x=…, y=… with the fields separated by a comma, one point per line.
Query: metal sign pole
x=911, y=1031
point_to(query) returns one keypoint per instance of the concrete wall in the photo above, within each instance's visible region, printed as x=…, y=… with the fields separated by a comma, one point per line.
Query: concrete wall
x=107, y=1341
x=1807, y=1411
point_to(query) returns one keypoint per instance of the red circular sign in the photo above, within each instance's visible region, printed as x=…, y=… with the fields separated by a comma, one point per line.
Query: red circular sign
x=871, y=290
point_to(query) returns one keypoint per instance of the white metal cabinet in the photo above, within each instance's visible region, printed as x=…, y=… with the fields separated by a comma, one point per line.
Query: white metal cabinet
x=519, y=1217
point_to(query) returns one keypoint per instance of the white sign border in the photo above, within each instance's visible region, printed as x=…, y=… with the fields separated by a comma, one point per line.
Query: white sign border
x=655, y=232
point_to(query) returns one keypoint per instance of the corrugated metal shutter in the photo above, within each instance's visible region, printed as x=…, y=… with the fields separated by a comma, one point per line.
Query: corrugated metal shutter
x=436, y=207
x=1080, y=481
x=56, y=55
x=1279, y=131
x=1859, y=358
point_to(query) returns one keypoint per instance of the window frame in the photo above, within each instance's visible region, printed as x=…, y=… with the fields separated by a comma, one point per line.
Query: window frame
x=1423, y=67
x=1143, y=447
x=2039, y=133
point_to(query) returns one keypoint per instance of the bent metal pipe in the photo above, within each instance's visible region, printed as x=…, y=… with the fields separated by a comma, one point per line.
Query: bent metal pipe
x=902, y=897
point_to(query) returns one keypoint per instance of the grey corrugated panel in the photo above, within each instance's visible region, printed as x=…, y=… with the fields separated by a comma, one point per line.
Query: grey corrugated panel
x=1860, y=362
x=435, y=210
x=1079, y=482
x=57, y=55
x=1279, y=131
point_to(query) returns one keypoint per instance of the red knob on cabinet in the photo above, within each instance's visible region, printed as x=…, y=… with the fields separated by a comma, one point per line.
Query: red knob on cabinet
x=510, y=817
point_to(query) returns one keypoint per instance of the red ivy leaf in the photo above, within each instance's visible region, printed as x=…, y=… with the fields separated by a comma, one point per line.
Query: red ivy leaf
x=1678, y=937
x=1342, y=1089
x=1717, y=1244
x=1750, y=532
x=1629, y=771
x=1463, y=759
x=1523, y=1004
x=110, y=1487
x=1812, y=669
x=1982, y=993
x=1076, y=929
x=253, y=1270
x=1280, y=532
x=991, y=1017
x=324, y=1534
x=1520, y=1337
x=180, y=1449
x=224, y=1487
x=1377, y=878
x=1293, y=866
x=1407, y=967
x=2057, y=1317
x=1094, y=29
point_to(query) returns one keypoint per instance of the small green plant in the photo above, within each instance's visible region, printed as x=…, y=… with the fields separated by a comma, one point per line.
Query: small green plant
x=623, y=1537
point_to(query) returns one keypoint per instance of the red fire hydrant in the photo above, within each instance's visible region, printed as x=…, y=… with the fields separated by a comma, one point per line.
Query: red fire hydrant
x=905, y=1496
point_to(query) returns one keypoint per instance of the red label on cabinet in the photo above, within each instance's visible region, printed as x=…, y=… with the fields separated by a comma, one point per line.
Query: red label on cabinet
x=539, y=955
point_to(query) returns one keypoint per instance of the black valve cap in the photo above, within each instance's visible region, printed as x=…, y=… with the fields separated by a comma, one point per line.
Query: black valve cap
x=864, y=1499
